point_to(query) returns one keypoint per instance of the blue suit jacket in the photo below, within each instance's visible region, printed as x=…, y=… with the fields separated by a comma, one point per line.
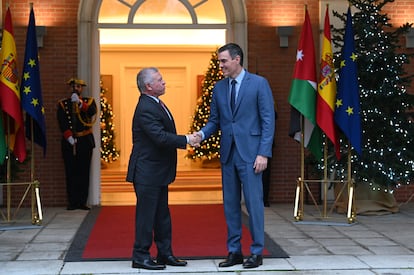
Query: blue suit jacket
x=251, y=125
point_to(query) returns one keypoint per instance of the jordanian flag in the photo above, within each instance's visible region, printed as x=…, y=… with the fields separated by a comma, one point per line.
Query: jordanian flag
x=302, y=95
x=326, y=97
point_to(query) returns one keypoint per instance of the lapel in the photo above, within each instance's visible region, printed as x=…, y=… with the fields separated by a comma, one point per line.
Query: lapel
x=162, y=112
x=167, y=118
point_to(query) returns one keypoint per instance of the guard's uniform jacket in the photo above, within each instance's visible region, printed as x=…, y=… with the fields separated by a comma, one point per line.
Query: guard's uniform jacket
x=77, y=122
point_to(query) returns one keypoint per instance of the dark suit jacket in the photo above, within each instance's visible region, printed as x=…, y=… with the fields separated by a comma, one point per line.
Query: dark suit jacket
x=153, y=159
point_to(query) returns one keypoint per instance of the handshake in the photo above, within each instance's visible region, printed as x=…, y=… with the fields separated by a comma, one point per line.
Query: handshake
x=194, y=139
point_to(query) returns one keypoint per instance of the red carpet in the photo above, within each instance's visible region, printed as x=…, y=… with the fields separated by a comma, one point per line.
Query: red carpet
x=199, y=231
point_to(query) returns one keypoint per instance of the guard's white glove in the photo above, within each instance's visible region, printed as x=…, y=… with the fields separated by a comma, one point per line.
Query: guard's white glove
x=71, y=140
x=75, y=98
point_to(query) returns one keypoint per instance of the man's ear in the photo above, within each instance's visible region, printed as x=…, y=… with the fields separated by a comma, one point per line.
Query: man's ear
x=237, y=58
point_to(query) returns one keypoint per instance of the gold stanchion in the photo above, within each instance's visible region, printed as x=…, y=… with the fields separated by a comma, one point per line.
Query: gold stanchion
x=32, y=186
x=350, y=215
x=350, y=212
x=36, y=209
x=296, y=213
x=302, y=184
x=37, y=216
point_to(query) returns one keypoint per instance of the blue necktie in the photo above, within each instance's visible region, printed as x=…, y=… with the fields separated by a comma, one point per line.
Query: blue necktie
x=233, y=94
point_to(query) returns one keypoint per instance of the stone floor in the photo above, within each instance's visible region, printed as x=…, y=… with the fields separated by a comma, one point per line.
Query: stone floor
x=375, y=244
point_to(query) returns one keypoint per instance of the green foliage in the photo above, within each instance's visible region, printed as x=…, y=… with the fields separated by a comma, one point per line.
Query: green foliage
x=209, y=148
x=12, y=168
x=109, y=153
x=388, y=131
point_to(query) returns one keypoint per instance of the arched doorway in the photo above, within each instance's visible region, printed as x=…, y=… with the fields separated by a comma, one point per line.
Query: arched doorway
x=89, y=58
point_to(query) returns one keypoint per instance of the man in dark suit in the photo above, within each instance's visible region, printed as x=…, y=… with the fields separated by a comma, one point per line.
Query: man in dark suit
x=152, y=167
x=242, y=108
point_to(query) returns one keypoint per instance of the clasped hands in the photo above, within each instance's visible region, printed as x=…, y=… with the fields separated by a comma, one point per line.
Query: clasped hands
x=194, y=139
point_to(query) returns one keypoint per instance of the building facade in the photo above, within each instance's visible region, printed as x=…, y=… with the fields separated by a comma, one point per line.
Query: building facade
x=71, y=46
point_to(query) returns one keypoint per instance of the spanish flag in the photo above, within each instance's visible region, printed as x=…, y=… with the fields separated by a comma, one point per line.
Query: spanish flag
x=10, y=92
x=326, y=97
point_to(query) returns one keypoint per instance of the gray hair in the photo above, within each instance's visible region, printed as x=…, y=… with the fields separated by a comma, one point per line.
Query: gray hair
x=144, y=77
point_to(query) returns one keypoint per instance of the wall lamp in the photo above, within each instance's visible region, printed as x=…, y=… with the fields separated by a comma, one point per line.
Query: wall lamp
x=409, y=39
x=284, y=32
x=40, y=33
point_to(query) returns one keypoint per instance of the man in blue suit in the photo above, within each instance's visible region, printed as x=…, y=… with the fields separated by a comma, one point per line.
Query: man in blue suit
x=242, y=108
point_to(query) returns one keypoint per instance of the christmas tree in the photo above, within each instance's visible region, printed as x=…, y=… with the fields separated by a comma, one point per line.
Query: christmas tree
x=209, y=148
x=387, y=159
x=109, y=153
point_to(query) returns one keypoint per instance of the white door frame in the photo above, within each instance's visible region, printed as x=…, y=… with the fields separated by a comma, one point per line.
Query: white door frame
x=89, y=66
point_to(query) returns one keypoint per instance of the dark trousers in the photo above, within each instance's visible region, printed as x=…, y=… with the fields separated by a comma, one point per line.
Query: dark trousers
x=77, y=167
x=152, y=220
x=266, y=182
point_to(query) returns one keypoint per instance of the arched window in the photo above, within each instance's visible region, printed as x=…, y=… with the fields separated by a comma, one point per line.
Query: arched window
x=145, y=21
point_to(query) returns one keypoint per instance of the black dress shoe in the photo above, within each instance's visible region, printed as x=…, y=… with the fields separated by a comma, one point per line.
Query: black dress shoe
x=71, y=207
x=147, y=264
x=171, y=260
x=84, y=207
x=253, y=261
x=232, y=259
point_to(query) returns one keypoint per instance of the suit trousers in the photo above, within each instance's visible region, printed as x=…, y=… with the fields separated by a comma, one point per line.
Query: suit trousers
x=152, y=220
x=238, y=175
x=77, y=167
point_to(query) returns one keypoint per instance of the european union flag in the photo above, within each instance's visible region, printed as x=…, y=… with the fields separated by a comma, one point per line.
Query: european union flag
x=347, y=112
x=30, y=90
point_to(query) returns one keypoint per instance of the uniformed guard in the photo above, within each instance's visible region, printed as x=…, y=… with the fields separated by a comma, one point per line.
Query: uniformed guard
x=76, y=116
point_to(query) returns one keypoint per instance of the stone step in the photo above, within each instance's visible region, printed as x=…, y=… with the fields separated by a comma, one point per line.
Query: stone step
x=190, y=187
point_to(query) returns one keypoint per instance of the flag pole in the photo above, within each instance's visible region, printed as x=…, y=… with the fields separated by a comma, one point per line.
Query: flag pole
x=32, y=154
x=325, y=177
x=350, y=213
x=36, y=215
x=302, y=159
x=32, y=148
x=32, y=164
x=8, y=170
x=298, y=207
x=302, y=170
x=300, y=187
